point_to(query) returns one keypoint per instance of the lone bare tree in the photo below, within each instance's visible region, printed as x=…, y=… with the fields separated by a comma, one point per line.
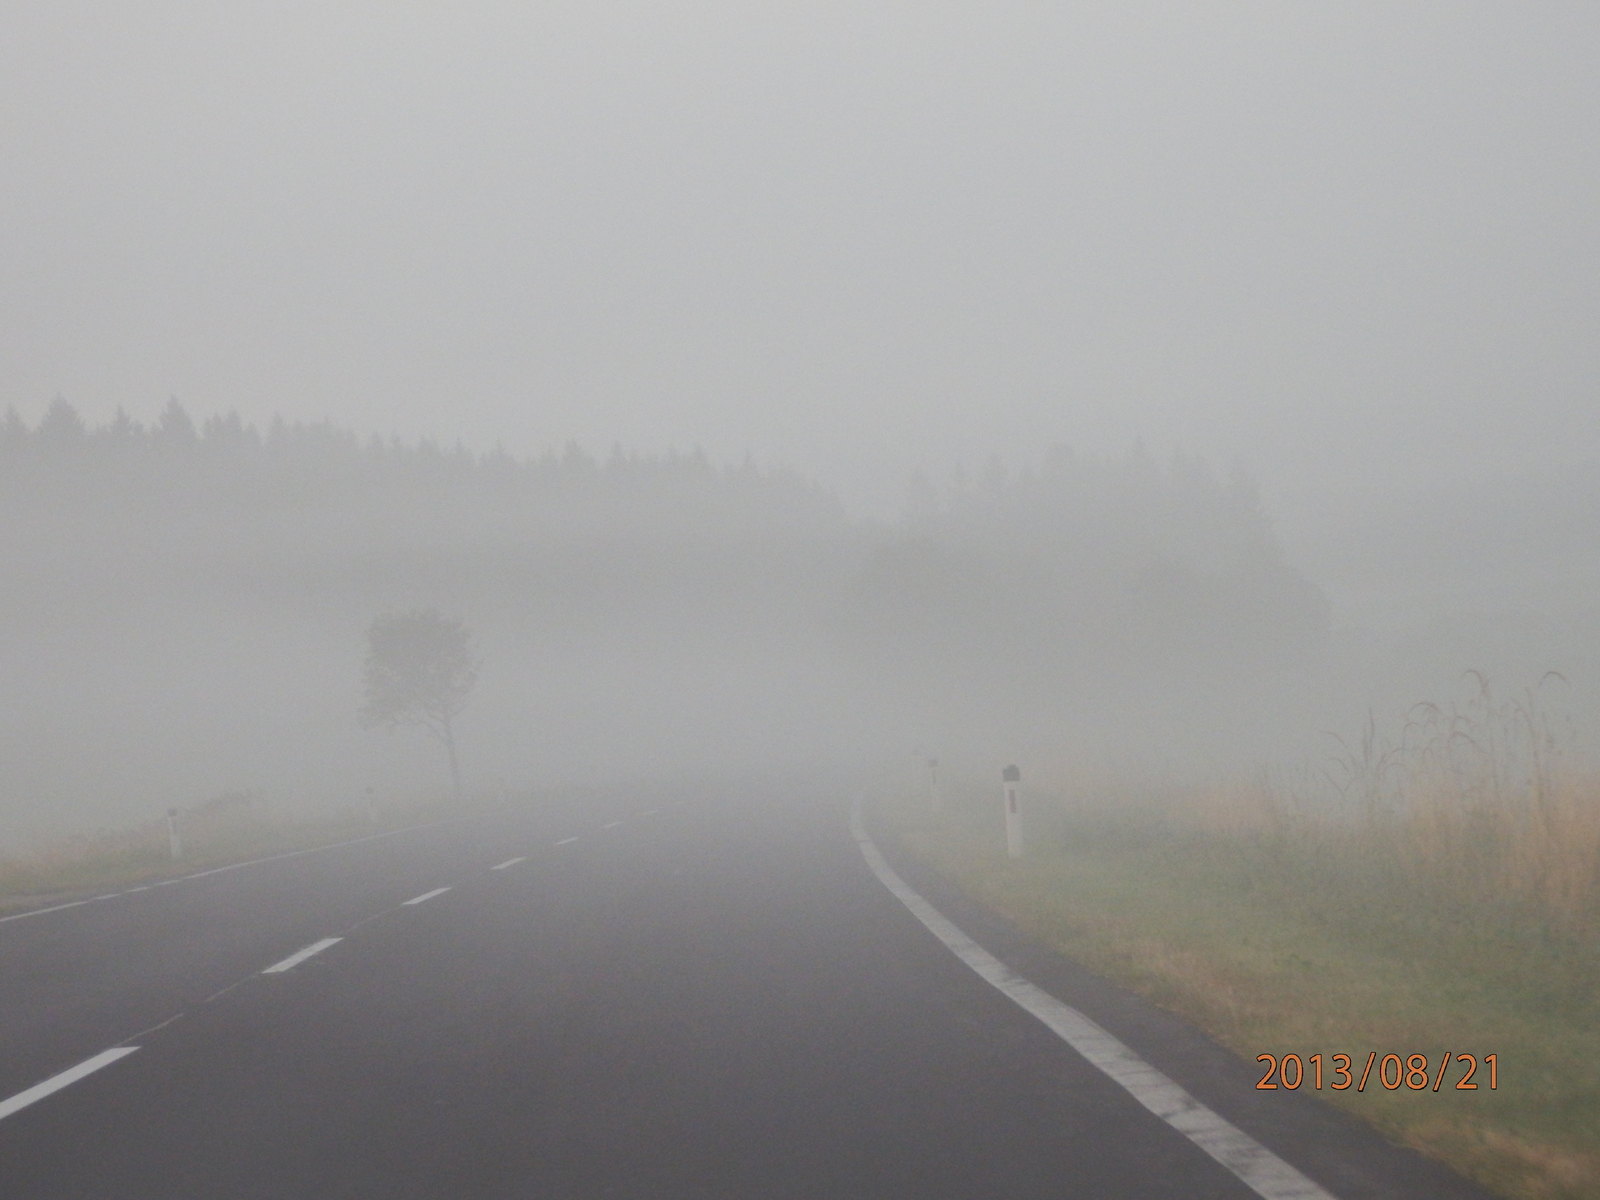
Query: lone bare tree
x=420, y=669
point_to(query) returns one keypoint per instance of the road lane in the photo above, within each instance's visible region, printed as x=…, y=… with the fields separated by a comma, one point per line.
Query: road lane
x=719, y=1002
x=75, y=981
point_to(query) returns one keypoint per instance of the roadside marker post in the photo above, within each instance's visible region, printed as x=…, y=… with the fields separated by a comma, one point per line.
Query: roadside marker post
x=933, y=786
x=1011, y=778
x=174, y=834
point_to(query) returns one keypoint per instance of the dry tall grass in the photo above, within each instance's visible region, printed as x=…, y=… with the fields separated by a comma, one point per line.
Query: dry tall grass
x=1438, y=887
x=1470, y=806
x=225, y=829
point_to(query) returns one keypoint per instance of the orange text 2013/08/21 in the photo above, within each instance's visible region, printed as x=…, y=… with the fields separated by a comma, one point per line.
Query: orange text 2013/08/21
x=1413, y=1072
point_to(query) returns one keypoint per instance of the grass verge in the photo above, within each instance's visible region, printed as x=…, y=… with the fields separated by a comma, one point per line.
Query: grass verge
x=227, y=831
x=1280, y=937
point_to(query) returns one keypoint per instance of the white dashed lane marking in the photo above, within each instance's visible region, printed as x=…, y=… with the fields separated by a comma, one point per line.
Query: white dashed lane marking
x=299, y=956
x=427, y=895
x=106, y=1057
x=56, y=1082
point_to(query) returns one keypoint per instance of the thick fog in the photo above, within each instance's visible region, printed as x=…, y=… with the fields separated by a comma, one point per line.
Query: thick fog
x=1150, y=381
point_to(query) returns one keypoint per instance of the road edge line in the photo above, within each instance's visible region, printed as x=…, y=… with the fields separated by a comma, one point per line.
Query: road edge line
x=39, y=912
x=249, y=862
x=1262, y=1171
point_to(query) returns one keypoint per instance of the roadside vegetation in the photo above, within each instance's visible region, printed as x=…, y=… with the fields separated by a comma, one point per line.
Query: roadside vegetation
x=228, y=829
x=1435, y=892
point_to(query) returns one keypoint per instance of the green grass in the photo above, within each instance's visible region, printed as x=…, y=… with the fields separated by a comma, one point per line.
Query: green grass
x=1279, y=937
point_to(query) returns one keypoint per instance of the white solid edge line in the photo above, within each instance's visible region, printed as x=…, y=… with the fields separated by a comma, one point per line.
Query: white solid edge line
x=566, y=841
x=510, y=862
x=299, y=956
x=612, y=825
x=56, y=1082
x=34, y=912
x=1261, y=1170
x=427, y=896
x=371, y=837
x=39, y=912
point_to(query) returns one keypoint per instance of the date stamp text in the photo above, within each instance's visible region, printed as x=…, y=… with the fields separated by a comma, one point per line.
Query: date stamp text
x=1415, y=1072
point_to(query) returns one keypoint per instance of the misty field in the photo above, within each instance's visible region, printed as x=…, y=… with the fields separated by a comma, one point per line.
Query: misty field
x=189, y=604
x=1444, y=898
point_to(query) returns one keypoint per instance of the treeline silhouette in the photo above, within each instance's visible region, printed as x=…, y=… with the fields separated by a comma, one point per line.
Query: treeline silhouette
x=1091, y=566
x=186, y=600
x=226, y=461
x=1081, y=563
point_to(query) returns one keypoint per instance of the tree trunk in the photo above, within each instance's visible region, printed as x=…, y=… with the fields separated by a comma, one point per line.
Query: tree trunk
x=455, y=767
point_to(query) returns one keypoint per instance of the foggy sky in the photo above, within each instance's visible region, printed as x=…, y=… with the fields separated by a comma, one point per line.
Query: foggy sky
x=1351, y=244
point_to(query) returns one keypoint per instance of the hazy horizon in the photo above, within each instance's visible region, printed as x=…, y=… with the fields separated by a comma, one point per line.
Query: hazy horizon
x=1345, y=250
x=1347, y=246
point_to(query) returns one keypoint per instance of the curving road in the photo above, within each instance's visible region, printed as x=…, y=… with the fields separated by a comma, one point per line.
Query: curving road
x=646, y=995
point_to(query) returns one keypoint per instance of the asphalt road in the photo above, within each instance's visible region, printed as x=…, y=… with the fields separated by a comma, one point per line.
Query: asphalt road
x=708, y=995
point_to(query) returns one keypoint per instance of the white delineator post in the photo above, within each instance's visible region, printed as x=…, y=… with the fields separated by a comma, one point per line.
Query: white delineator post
x=174, y=834
x=1011, y=778
x=933, y=785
